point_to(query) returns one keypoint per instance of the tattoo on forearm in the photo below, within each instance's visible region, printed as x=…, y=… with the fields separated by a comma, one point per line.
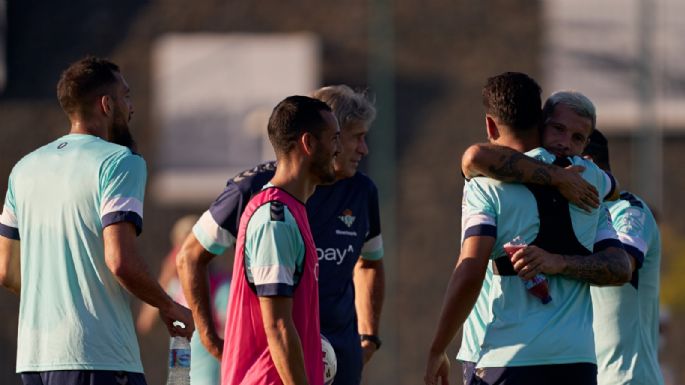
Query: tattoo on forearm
x=604, y=268
x=506, y=170
x=541, y=176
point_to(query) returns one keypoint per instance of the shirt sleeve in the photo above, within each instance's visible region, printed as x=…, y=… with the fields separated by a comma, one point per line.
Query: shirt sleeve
x=122, y=186
x=602, y=180
x=606, y=235
x=373, y=244
x=217, y=228
x=9, y=226
x=478, y=215
x=274, y=253
x=629, y=223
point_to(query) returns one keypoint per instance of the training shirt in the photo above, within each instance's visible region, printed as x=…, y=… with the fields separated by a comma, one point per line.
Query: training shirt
x=626, y=318
x=519, y=329
x=73, y=313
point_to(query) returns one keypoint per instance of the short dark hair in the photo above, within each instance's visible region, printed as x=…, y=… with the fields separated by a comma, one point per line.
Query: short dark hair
x=84, y=80
x=598, y=149
x=292, y=117
x=514, y=98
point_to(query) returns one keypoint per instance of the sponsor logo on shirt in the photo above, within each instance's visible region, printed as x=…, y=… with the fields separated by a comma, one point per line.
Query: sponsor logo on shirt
x=347, y=218
x=334, y=255
x=348, y=233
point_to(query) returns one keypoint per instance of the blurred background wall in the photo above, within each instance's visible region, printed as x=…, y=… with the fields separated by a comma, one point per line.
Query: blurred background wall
x=425, y=61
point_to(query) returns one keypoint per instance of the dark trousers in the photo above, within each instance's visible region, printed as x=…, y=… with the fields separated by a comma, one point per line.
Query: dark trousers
x=83, y=377
x=557, y=374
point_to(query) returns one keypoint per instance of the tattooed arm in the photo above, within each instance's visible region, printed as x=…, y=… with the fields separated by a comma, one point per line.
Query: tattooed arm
x=508, y=165
x=608, y=267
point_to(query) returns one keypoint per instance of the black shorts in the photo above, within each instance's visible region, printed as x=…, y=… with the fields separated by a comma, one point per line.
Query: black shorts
x=559, y=374
x=83, y=377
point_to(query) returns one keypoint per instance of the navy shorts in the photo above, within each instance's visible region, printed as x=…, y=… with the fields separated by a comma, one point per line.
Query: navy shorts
x=83, y=377
x=468, y=369
x=559, y=374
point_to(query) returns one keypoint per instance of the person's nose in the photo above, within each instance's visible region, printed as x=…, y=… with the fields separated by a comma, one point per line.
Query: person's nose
x=363, y=148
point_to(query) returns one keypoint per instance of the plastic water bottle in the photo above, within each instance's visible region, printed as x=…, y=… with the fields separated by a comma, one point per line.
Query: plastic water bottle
x=179, y=361
x=537, y=286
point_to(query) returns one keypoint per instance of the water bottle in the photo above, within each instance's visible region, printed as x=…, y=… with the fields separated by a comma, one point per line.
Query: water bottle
x=179, y=361
x=537, y=286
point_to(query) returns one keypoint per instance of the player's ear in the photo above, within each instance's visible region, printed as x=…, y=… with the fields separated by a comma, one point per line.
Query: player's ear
x=106, y=104
x=491, y=127
x=308, y=142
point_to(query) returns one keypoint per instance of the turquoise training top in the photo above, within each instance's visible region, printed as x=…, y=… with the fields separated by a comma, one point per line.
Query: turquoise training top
x=508, y=326
x=73, y=313
x=626, y=318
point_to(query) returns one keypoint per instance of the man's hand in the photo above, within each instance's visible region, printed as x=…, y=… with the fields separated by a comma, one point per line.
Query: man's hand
x=368, y=349
x=437, y=369
x=123, y=260
x=532, y=260
x=575, y=188
x=176, y=312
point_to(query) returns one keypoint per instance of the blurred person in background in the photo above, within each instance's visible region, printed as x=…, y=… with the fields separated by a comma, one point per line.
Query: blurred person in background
x=76, y=204
x=345, y=222
x=626, y=318
x=516, y=338
x=204, y=368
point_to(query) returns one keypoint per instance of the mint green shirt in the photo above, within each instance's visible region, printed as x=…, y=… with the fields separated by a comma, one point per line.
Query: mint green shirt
x=508, y=326
x=274, y=250
x=626, y=318
x=73, y=313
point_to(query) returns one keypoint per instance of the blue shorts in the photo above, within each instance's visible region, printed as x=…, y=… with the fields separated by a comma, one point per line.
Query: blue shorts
x=559, y=374
x=83, y=377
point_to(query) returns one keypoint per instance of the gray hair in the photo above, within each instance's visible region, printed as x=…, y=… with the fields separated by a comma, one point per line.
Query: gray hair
x=577, y=102
x=347, y=105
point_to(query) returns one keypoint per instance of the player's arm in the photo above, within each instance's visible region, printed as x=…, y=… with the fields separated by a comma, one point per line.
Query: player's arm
x=148, y=314
x=508, y=165
x=609, y=265
x=10, y=264
x=283, y=339
x=369, y=288
x=123, y=260
x=191, y=262
x=274, y=252
x=462, y=291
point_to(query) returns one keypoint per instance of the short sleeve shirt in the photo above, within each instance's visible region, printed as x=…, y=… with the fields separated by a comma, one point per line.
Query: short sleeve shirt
x=73, y=313
x=519, y=330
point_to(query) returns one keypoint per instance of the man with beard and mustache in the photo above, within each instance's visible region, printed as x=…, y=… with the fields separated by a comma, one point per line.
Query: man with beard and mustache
x=77, y=206
x=272, y=333
x=345, y=221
